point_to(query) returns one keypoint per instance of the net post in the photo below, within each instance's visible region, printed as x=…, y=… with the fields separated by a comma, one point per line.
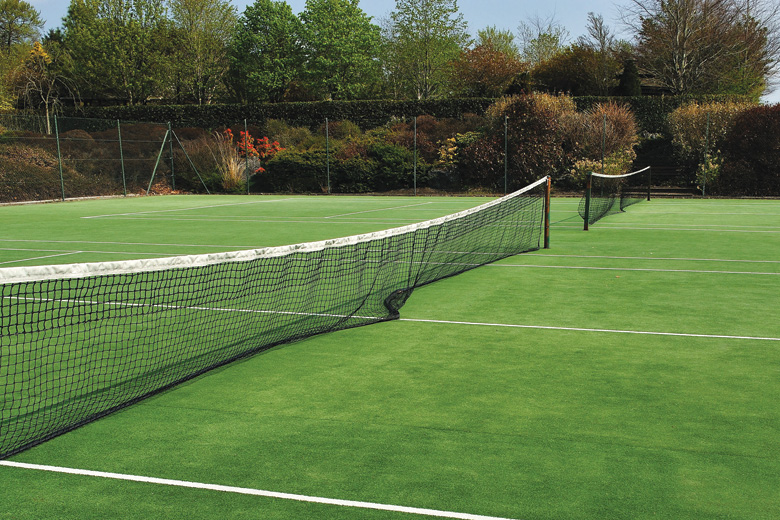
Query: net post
x=588, y=187
x=547, y=213
x=506, y=151
x=649, y=180
x=122, y=157
x=59, y=156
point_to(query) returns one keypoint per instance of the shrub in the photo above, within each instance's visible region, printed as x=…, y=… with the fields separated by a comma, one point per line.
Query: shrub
x=699, y=128
x=751, y=154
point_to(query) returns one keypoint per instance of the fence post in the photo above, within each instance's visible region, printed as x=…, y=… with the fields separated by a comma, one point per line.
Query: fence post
x=173, y=176
x=121, y=157
x=327, y=154
x=415, y=156
x=706, y=154
x=588, y=187
x=603, y=142
x=246, y=155
x=59, y=156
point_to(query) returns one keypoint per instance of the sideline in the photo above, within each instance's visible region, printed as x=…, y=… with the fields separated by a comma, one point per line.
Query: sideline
x=250, y=491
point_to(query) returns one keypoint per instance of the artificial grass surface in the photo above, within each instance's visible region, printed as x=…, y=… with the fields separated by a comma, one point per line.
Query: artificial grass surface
x=520, y=423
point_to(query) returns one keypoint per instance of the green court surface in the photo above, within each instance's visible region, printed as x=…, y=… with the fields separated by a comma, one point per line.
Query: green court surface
x=628, y=372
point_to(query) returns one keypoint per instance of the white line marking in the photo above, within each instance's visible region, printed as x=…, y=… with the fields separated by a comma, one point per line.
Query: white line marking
x=187, y=209
x=582, y=329
x=661, y=258
x=251, y=491
x=606, y=225
x=40, y=257
x=39, y=241
x=380, y=209
x=632, y=269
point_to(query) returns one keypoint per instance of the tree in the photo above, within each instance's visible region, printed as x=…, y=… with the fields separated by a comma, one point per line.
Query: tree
x=265, y=52
x=203, y=29
x=500, y=40
x=485, y=70
x=38, y=80
x=574, y=70
x=630, y=84
x=602, y=43
x=422, y=38
x=117, y=46
x=341, y=49
x=542, y=38
x=693, y=46
x=19, y=23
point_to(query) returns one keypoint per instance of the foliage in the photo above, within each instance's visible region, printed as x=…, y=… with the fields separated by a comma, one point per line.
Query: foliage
x=705, y=46
x=422, y=39
x=199, y=57
x=750, y=165
x=501, y=40
x=542, y=38
x=20, y=23
x=630, y=83
x=265, y=53
x=341, y=49
x=697, y=129
x=485, y=70
x=117, y=46
x=574, y=71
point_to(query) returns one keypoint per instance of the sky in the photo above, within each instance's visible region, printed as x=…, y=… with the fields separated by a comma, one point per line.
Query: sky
x=503, y=14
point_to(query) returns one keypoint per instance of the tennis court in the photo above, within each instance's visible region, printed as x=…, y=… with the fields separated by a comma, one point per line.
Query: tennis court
x=630, y=371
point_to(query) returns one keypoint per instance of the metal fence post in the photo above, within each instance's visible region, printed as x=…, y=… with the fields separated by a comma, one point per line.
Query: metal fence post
x=327, y=154
x=415, y=156
x=121, y=157
x=59, y=156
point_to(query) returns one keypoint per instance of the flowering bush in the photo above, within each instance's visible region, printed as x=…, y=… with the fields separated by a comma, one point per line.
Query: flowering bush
x=239, y=156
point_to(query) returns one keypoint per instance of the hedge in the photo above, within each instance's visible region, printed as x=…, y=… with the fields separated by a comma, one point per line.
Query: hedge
x=650, y=111
x=367, y=114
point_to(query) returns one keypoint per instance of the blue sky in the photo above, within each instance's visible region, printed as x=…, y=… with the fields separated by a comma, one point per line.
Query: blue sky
x=504, y=14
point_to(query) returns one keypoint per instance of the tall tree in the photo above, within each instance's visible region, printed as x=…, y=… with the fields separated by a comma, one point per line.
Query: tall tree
x=341, y=49
x=39, y=81
x=542, y=38
x=602, y=43
x=486, y=70
x=501, y=40
x=19, y=23
x=117, y=46
x=203, y=29
x=422, y=38
x=691, y=46
x=265, y=52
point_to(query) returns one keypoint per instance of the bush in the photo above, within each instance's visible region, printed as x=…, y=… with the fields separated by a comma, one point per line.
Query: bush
x=751, y=154
x=700, y=128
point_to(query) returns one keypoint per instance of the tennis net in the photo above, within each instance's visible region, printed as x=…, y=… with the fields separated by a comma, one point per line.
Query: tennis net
x=609, y=194
x=79, y=341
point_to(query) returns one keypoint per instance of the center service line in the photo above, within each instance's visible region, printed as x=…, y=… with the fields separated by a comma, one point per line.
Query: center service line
x=250, y=491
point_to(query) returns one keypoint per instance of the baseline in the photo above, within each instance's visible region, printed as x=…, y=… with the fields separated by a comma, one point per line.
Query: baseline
x=251, y=491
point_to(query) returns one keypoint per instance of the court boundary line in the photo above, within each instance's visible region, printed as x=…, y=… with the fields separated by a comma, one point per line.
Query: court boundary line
x=585, y=329
x=251, y=491
x=647, y=269
x=660, y=258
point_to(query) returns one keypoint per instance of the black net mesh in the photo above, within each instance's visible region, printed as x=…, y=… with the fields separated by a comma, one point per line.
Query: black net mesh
x=612, y=194
x=79, y=346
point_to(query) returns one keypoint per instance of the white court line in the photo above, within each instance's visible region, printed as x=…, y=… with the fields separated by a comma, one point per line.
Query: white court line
x=40, y=241
x=633, y=269
x=251, y=491
x=606, y=225
x=661, y=258
x=380, y=209
x=583, y=329
x=40, y=257
x=188, y=209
